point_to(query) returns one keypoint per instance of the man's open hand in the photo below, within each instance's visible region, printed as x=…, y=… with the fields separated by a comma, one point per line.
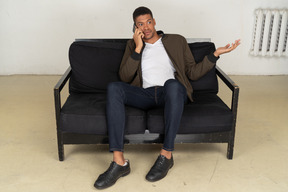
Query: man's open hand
x=221, y=50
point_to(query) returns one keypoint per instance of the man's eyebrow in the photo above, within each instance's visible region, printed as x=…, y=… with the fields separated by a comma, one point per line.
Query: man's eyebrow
x=145, y=21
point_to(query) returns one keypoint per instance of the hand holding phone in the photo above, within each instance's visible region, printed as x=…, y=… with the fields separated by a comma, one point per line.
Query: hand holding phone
x=138, y=36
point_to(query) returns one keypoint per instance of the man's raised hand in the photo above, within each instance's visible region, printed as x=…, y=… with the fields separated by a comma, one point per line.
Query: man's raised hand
x=228, y=48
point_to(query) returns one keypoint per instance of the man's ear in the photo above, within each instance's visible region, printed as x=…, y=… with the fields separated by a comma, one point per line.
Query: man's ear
x=154, y=21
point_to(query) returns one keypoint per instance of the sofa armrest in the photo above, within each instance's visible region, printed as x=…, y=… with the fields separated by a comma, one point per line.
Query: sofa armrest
x=232, y=86
x=61, y=83
x=234, y=106
x=226, y=79
x=57, y=92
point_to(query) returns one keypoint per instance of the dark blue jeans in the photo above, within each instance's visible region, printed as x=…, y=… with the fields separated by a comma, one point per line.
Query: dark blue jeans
x=172, y=96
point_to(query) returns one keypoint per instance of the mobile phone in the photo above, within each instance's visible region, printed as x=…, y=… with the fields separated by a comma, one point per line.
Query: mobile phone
x=133, y=29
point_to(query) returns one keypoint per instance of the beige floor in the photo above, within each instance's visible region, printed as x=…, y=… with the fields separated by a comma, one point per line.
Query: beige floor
x=29, y=161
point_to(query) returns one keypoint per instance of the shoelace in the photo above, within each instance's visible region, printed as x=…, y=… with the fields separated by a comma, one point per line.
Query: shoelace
x=160, y=162
x=109, y=170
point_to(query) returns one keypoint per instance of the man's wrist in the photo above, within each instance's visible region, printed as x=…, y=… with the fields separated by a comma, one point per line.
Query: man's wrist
x=136, y=56
x=138, y=50
x=212, y=57
x=216, y=54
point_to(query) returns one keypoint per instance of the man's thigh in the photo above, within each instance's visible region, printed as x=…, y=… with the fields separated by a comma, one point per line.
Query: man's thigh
x=137, y=96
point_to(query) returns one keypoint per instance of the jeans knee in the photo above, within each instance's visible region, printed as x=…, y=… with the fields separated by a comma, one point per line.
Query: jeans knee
x=174, y=86
x=170, y=82
x=114, y=86
x=175, y=90
x=114, y=89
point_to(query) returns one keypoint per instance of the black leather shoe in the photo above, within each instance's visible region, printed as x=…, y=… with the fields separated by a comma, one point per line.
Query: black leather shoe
x=160, y=168
x=113, y=173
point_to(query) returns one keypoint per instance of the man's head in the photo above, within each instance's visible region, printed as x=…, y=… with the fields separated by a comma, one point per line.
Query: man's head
x=141, y=11
x=143, y=19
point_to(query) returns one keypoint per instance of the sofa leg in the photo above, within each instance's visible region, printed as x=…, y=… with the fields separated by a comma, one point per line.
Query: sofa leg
x=60, y=146
x=230, y=150
x=61, y=153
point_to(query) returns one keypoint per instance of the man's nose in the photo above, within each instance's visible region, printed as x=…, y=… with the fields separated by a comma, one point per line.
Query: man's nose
x=145, y=26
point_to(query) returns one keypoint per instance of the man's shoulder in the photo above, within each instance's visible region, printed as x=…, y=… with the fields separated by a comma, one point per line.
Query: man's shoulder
x=175, y=38
x=178, y=36
x=130, y=42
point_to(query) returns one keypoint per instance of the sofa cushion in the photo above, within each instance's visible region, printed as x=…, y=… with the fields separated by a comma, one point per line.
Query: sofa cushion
x=94, y=65
x=208, y=113
x=86, y=114
x=208, y=83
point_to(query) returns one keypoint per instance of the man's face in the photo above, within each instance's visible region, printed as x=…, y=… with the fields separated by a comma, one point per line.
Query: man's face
x=147, y=25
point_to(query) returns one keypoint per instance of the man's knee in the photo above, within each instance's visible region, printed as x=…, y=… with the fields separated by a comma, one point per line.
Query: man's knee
x=173, y=88
x=174, y=85
x=114, y=89
x=114, y=86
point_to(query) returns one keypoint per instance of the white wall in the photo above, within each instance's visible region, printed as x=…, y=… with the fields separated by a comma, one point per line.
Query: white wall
x=35, y=35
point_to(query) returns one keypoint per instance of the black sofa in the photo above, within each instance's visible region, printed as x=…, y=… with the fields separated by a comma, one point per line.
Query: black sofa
x=95, y=63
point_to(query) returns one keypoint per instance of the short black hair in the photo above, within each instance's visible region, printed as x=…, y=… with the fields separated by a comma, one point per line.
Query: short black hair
x=141, y=11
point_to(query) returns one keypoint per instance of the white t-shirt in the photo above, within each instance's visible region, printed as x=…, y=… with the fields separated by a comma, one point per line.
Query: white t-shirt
x=157, y=67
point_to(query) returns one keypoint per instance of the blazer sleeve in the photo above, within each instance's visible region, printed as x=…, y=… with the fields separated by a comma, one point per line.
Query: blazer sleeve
x=130, y=63
x=196, y=70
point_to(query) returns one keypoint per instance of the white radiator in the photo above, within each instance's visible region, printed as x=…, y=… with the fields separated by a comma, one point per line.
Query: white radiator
x=270, y=33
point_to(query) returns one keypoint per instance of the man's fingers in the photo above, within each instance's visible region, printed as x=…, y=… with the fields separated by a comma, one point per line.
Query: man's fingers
x=138, y=31
x=227, y=46
x=237, y=42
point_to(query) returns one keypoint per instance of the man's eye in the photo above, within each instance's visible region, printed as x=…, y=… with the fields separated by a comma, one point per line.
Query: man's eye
x=140, y=24
x=149, y=22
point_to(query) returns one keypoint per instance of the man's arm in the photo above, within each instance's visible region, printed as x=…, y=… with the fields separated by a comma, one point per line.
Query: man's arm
x=132, y=56
x=129, y=64
x=196, y=71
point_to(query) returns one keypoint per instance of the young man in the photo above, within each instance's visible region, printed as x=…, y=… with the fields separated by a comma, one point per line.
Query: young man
x=155, y=71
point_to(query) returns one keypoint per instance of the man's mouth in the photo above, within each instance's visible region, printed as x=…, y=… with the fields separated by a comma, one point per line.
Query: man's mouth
x=146, y=33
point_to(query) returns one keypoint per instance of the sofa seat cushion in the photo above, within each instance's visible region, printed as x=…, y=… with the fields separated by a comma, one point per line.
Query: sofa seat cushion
x=208, y=113
x=86, y=114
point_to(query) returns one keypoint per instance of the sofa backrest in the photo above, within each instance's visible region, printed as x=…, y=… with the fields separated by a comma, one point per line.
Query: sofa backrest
x=209, y=82
x=95, y=63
